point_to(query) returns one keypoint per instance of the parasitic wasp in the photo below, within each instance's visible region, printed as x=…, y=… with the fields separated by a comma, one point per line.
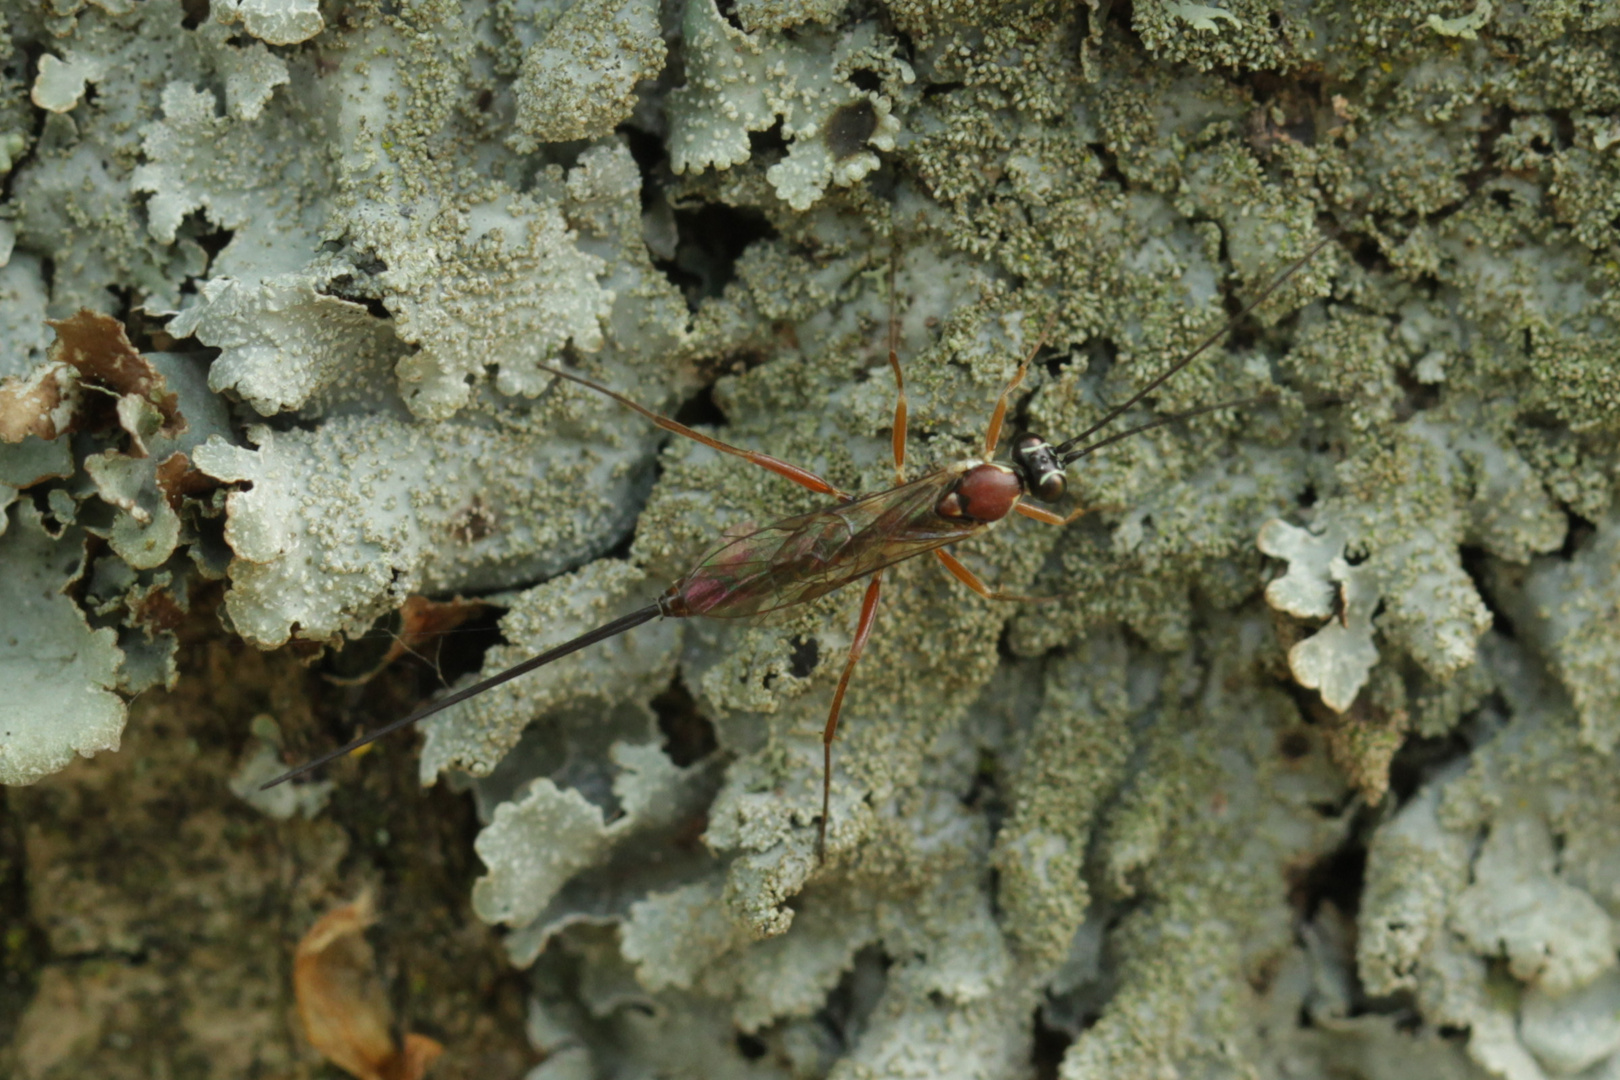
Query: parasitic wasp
x=802, y=558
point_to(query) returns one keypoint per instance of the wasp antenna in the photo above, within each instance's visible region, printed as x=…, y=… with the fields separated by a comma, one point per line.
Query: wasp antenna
x=1071, y=456
x=1226, y=328
x=601, y=633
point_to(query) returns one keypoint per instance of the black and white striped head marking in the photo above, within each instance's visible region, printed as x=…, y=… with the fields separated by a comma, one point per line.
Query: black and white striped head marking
x=1042, y=471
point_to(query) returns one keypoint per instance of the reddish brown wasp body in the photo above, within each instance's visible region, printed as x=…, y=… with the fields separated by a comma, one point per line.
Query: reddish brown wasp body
x=803, y=558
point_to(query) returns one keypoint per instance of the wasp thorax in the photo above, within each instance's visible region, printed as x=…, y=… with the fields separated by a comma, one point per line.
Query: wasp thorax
x=984, y=492
x=1038, y=464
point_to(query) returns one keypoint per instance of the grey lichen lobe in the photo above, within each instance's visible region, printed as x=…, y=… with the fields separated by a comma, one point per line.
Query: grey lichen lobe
x=579, y=81
x=342, y=523
x=60, y=673
x=1117, y=831
x=476, y=736
x=1516, y=850
x=1063, y=771
x=738, y=83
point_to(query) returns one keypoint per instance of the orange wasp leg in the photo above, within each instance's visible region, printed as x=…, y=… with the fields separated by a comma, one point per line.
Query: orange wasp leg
x=1039, y=513
x=992, y=435
x=863, y=630
x=803, y=477
x=900, y=412
x=973, y=581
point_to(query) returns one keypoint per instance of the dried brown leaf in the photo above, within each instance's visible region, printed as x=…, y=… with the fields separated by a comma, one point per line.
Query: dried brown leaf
x=41, y=403
x=342, y=1005
x=98, y=348
x=177, y=479
x=421, y=622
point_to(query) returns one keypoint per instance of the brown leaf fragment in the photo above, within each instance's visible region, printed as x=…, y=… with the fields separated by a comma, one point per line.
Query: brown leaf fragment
x=156, y=609
x=342, y=1004
x=97, y=346
x=179, y=481
x=41, y=403
x=421, y=622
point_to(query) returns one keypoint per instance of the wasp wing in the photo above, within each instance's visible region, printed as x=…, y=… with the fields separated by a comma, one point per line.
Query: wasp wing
x=799, y=559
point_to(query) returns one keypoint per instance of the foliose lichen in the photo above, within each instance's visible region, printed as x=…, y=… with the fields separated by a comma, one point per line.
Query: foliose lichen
x=1299, y=766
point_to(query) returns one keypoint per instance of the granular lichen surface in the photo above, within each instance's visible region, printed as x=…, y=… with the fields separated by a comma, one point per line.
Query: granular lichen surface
x=1296, y=770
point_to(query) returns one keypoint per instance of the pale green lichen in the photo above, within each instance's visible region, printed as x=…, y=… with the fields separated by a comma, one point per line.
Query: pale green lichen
x=276, y=22
x=1320, y=584
x=1572, y=606
x=1061, y=774
x=97, y=436
x=1466, y=26
x=262, y=762
x=59, y=673
x=590, y=61
x=181, y=173
x=446, y=509
x=477, y=735
x=285, y=345
x=60, y=83
x=1507, y=859
x=1116, y=810
x=1201, y=16
x=738, y=83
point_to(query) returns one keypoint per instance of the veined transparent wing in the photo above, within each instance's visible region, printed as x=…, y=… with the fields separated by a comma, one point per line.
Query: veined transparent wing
x=799, y=559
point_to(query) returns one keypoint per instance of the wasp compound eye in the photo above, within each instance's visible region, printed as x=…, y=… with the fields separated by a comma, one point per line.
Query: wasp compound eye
x=1038, y=463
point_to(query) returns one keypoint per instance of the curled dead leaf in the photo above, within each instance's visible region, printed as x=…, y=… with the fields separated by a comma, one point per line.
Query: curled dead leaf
x=342, y=1005
x=421, y=622
x=98, y=348
x=41, y=403
x=178, y=480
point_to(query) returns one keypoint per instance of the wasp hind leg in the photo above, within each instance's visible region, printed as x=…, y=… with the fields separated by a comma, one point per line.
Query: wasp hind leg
x=900, y=410
x=973, y=581
x=863, y=631
x=801, y=476
x=1038, y=513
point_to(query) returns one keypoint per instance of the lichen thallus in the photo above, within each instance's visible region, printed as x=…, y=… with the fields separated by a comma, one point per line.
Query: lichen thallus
x=801, y=558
